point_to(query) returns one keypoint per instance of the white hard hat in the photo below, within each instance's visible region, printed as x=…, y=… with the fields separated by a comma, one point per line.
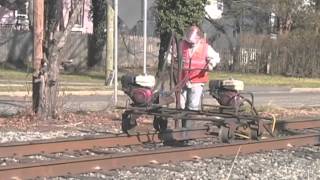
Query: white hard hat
x=193, y=35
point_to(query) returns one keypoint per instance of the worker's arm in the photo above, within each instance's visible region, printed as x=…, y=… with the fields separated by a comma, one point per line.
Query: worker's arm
x=213, y=57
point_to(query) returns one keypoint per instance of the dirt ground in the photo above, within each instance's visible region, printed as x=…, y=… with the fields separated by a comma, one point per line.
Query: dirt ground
x=110, y=121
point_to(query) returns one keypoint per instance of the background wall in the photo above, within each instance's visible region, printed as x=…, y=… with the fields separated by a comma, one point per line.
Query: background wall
x=16, y=50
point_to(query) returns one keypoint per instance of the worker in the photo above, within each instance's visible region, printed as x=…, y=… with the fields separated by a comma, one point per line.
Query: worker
x=198, y=57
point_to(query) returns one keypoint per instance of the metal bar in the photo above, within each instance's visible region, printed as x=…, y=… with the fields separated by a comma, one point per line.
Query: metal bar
x=188, y=114
x=115, y=52
x=110, y=46
x=53, y=146
x=94, y=164
x=145, y=19
x=157, y=110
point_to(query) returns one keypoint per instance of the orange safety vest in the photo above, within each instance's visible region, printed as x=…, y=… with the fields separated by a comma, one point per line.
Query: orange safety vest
x=198, y=61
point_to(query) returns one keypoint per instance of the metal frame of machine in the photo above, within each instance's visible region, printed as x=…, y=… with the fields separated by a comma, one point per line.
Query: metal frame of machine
x=229, y=118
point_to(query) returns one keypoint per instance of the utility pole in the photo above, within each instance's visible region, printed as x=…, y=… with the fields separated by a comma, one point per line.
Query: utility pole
x=110, y=46
x=38, y=25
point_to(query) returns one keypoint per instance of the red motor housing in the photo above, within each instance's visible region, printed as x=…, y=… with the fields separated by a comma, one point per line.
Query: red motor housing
x=141, y=96
x=138, y=88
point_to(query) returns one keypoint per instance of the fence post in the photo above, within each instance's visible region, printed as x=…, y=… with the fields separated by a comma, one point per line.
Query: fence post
x=109, y=45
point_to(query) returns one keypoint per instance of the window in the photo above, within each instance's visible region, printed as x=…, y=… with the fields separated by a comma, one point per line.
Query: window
x=21, y=15
x=80, y=16
x=220, y=5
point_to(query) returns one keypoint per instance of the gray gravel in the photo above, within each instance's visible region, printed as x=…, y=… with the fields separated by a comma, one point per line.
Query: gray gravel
x=295, y=164
x=301, y=163
x=19, y=136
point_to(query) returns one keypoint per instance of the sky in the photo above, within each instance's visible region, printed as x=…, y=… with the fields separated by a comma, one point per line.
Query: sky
x=130, y=11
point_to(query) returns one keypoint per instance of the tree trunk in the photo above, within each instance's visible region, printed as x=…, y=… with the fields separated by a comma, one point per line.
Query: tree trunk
x=236, y=60
x=164, y=43
x=98, y=40
x=317, y=4
x=231, y=45
x=56, y=44
x=235, y=52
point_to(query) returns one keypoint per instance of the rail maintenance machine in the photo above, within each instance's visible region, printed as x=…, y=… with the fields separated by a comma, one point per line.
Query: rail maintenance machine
x=230, y=115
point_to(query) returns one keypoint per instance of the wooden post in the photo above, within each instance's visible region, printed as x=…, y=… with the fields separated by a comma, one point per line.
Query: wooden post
x=110, y=46
x=38, y=17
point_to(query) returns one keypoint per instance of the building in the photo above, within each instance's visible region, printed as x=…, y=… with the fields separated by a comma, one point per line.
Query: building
x=16, y=15
x=17, y=49
x=214, y=9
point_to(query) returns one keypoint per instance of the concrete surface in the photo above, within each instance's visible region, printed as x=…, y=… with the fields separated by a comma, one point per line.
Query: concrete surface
x=83, y=99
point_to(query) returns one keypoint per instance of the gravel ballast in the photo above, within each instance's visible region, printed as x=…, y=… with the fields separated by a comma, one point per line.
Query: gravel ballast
x=295, y=163
x=299, y=163
x=292, y=164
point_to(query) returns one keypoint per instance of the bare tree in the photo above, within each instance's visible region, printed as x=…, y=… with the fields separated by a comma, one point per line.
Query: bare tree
x=53, y=48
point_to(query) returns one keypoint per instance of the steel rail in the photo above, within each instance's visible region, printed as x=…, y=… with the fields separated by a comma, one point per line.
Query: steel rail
x=109, y=162
x=297, y=125
x=70, y=144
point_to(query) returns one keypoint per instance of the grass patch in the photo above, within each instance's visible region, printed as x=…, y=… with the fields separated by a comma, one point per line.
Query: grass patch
x=90, y=76
x=269, y=80
x=28, y=88
x=249, y=79
x=14, y=74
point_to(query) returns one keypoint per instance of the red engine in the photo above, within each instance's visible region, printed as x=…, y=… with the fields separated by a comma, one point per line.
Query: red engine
x=141, y=96
x=226, y=91
x=139, y=89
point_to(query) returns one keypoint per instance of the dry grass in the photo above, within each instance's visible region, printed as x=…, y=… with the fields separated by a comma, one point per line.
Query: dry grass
x=28, y=121
x=111, y=119
x=290, y=113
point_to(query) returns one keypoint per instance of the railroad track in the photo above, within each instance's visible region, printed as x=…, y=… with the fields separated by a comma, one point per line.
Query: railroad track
x=90, y=142
x=120, y=160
